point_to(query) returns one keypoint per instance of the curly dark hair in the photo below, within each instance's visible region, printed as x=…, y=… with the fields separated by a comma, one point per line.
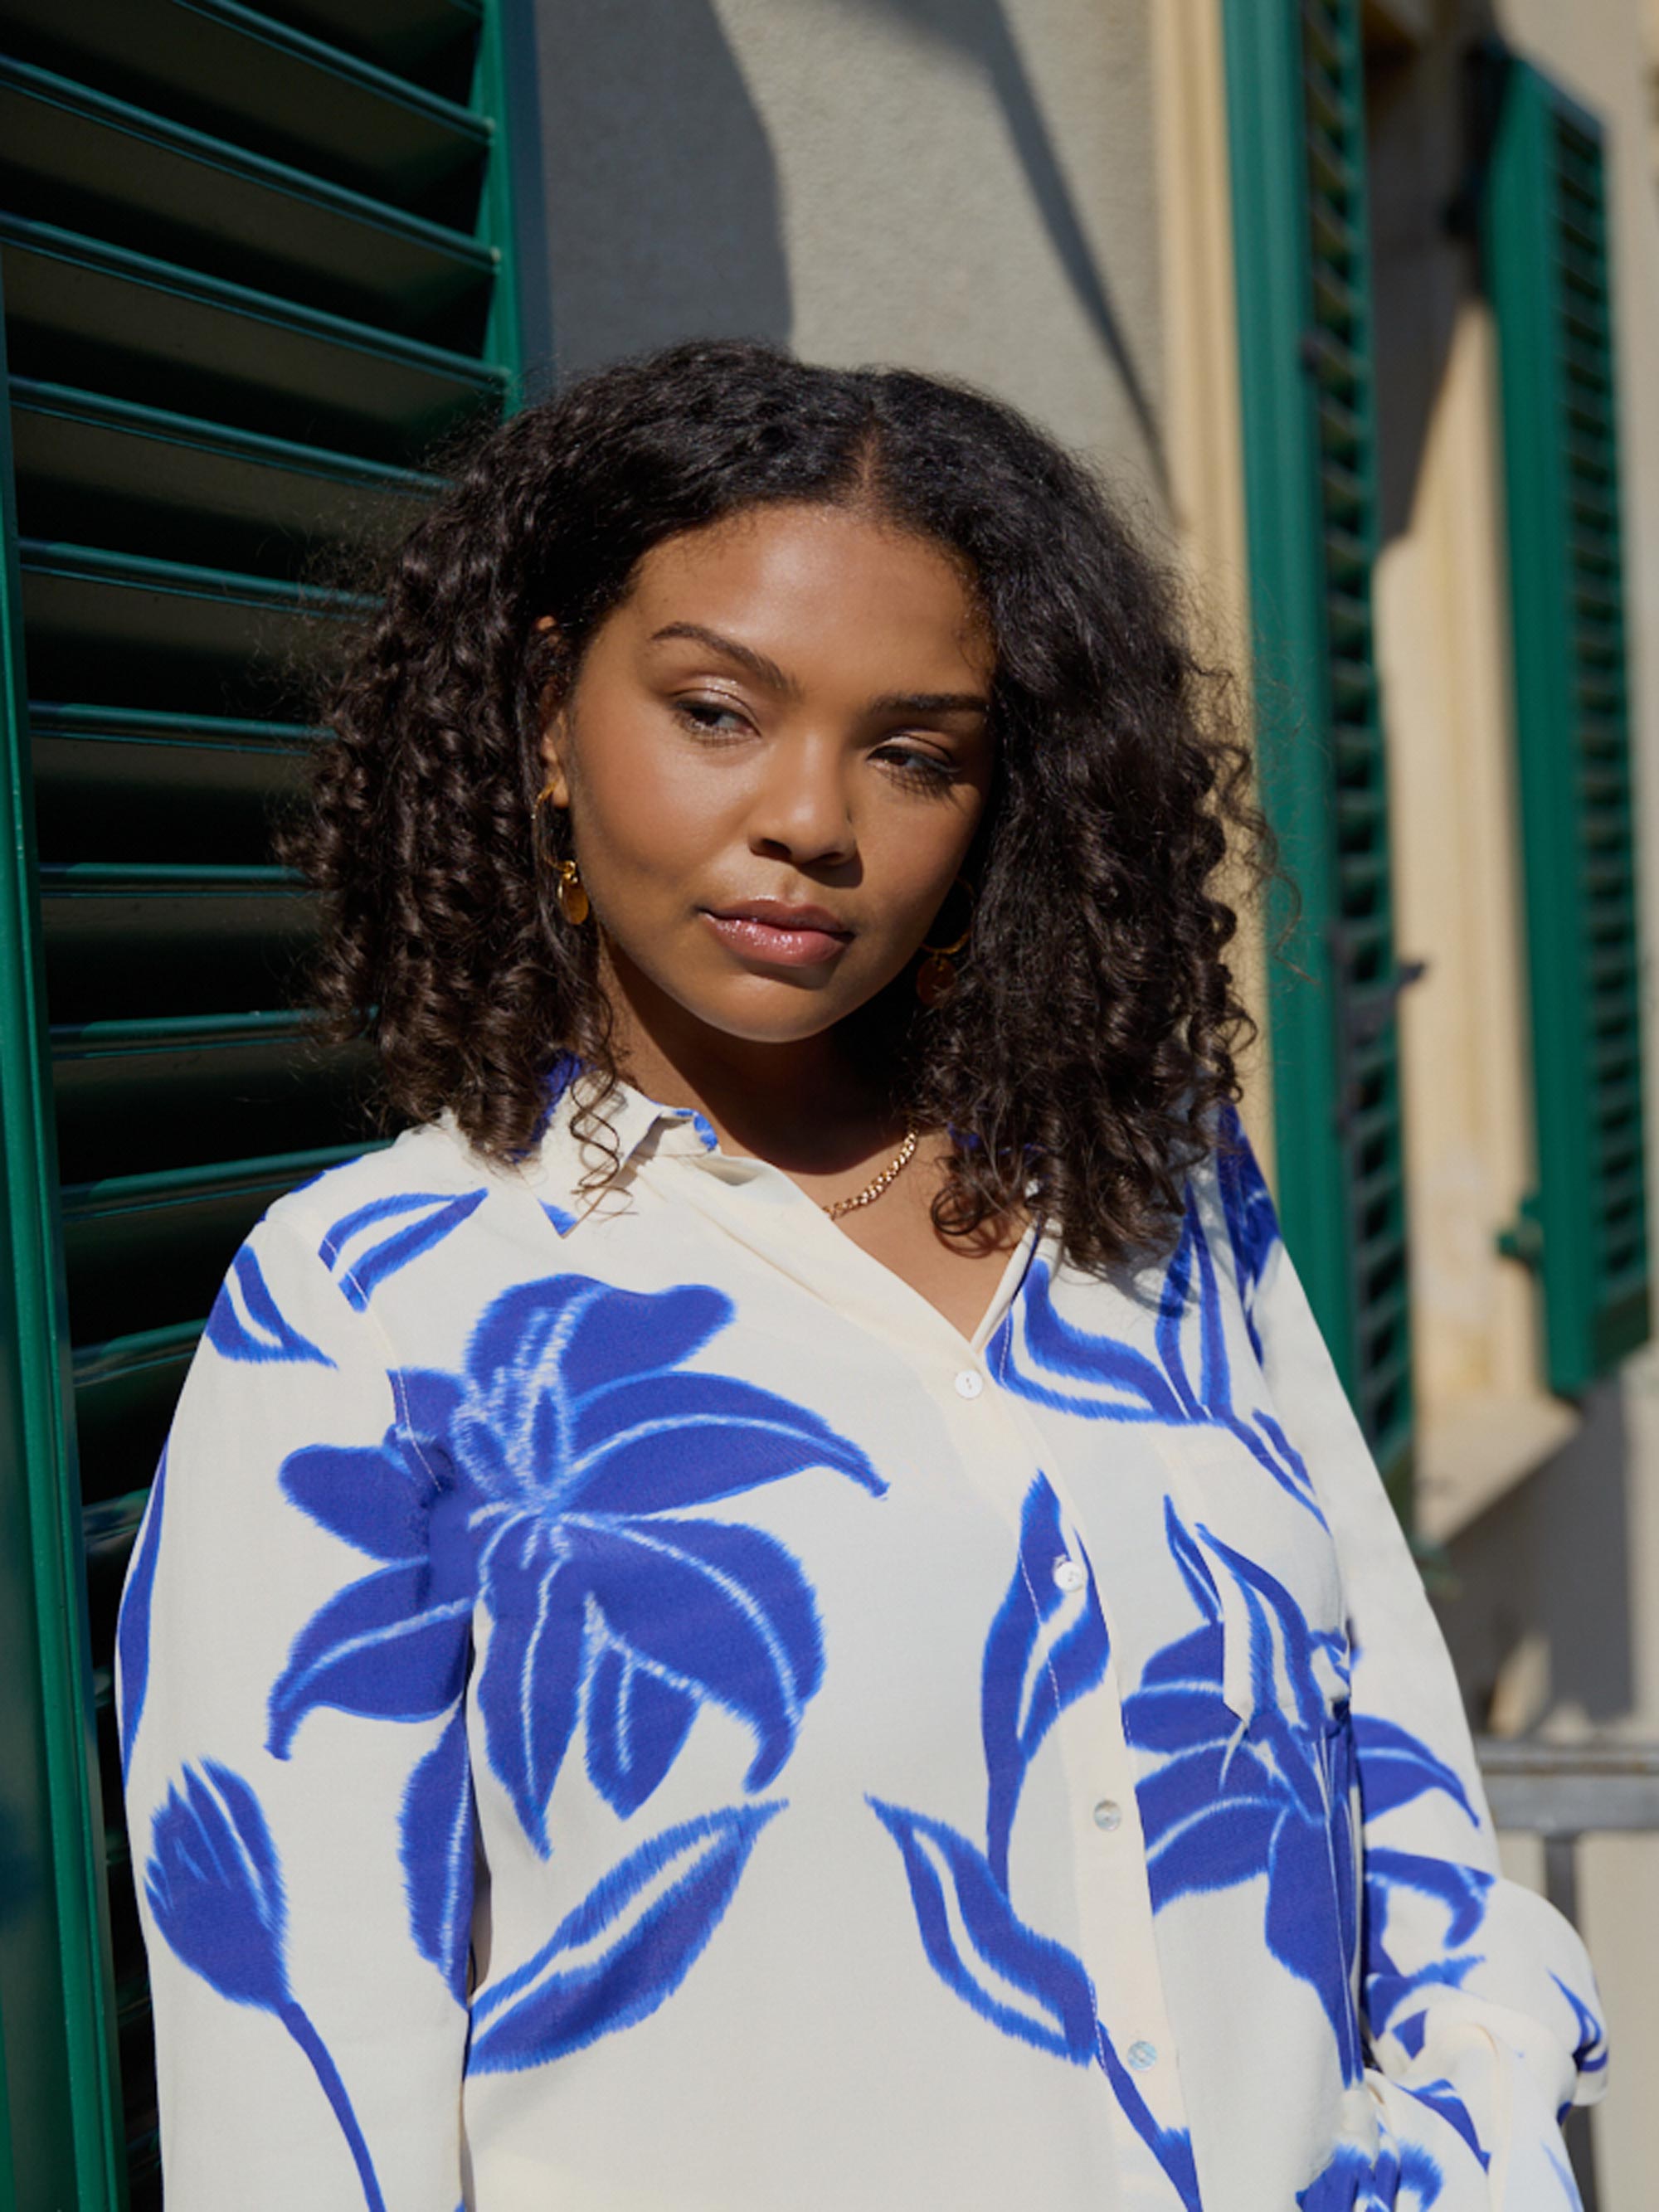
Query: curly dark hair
x=1095, y=1021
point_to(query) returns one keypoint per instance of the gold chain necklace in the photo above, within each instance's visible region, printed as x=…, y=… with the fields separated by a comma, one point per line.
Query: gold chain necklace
x=873, y=1190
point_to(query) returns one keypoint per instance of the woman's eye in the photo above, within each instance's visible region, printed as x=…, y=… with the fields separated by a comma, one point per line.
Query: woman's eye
x=924, y=769
x=712, y=717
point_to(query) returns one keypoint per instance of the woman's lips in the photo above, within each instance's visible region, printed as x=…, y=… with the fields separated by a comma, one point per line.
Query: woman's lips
x=808, y=938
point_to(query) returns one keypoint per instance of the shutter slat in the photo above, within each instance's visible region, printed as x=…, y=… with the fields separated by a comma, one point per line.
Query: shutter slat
x=256, y=259
x=1555, y=319
x=232, y=212
x=281, y=90
x=269, y=364
x=1303, y=303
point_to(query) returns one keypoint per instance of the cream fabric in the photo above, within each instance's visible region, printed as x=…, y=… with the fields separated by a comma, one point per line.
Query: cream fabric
x=628, y=1709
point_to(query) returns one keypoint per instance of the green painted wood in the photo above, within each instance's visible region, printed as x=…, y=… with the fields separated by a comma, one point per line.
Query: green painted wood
x=1302, y=265
x=149, y=479
x=88, y=312
x=249, y=77
x=56, y=1992
x=230, y=211
x=224, y=369
x=1548, y=267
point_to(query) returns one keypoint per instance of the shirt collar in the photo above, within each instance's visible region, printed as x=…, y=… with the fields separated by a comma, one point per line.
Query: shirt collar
x=561, y=1161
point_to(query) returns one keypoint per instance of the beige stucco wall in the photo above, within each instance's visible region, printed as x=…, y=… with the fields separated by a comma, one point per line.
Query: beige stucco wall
x=1557, y=1623
x=963, y=186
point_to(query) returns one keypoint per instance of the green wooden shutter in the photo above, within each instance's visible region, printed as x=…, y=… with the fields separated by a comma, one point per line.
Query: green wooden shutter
x=1544, y=236
x=1297, y=127
x=252, y=261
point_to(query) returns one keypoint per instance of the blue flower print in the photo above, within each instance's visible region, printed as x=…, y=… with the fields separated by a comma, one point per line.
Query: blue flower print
x=587, y=1444
x=393, y=1644
x=1590, y=2052
x=246, y=1323
x=1248, y=1208
x=132, y=1624
x=1188, y=1379
x=1396, y=2180
x=557, y=1479
x=627, y=1947
x=1227, y=1800
x=1045, y=1649
x=216, y=1890
x=359, y=1259
x=1461, y=1891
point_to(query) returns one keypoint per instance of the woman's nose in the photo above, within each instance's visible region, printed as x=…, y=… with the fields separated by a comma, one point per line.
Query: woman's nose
x=804, y=807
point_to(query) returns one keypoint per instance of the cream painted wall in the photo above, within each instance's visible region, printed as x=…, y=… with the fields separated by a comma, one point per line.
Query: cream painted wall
x=967, y=186
x=1560, y=1604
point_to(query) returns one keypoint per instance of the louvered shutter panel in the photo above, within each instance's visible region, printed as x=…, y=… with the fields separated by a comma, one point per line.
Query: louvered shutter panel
x=254, y=261
x=1547, y=262
x=1296, y=128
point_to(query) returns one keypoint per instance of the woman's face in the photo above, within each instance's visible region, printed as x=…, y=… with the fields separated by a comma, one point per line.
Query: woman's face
x=775, y=756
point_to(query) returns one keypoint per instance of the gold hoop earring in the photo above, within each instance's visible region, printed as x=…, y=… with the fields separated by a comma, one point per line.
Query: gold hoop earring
x=936, y=978
x=572, y=892
x=573, y=895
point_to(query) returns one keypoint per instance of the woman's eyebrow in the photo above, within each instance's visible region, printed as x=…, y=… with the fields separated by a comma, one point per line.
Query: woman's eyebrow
x=763, y=670
x=767, y=671
x=930, y=703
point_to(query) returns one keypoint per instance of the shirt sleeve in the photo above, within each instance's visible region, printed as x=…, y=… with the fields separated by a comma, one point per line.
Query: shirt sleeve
x=1478, y=2000
x=291, y=1659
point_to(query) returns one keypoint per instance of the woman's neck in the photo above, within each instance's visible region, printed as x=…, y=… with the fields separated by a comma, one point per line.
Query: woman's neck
x=809, y=1105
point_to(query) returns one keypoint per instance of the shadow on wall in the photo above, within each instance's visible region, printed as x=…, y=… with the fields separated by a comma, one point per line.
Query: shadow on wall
x=979, y=30
x=1420, y=145
x=664, y=213
x=1541, y=1623
x=662, y=192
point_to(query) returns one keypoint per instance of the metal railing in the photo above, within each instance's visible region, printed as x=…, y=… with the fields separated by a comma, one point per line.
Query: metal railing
x=1561, y=1793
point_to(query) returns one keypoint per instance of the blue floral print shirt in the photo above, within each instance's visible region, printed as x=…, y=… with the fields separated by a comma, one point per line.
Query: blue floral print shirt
x=626, y=1708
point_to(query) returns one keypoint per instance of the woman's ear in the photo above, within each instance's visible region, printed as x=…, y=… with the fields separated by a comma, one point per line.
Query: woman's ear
x=554, y=735
x=552, y=750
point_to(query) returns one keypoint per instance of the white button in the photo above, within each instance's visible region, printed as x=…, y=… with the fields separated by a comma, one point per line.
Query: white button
x=1069, y=1574
x=1141, y=2055
x=970, y=1383
x=1108, y=1815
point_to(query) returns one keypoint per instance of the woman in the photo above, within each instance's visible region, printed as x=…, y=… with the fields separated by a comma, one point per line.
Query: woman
x=778, y=1604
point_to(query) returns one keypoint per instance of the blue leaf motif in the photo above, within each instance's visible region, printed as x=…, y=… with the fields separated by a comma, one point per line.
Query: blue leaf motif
x=1133, y=1388
x=1226, y=1802
x=132, y=1623
x=435, y=1839
x=1460, y=1891
x=1396, y=2180
x=377, y=1648
x=981, y=1949
x=1101, y=1378
x=529, y=1690
x=1590, y=2053
x=359, y=1277
x=1396, y=1767
x=627, y=1947
x=637, y=1720
x=246, y=1322
x=660, y=1442
x=1442, y=2097
x=718, y=1606
x=1248, y=1208
x=215, y=1888
x=1025, y=1684
x=375, y=1499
